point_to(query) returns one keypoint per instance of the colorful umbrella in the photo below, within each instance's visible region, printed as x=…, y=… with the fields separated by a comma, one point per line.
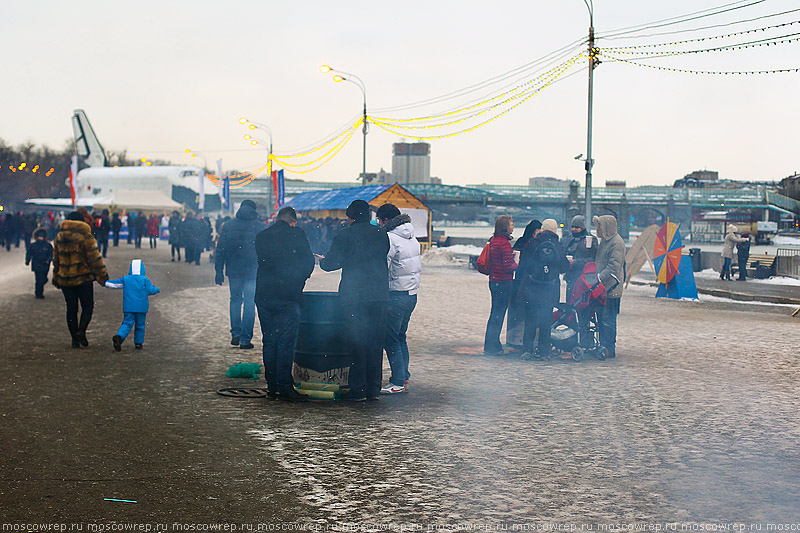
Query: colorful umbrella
x=667, y=252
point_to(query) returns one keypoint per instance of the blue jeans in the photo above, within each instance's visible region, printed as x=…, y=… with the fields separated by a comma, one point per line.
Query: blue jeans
x=401, y=305
x=607, y=318
x=280, y=321
x=242, y=308
x=501, y=294
x=726, y=267
x=128, y=322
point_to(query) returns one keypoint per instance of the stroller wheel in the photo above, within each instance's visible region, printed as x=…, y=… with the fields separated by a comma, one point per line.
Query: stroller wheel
x=602, y=353
x=578, y=353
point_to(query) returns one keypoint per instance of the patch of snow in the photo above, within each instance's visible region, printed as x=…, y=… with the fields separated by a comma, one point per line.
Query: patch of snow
x=783, y=240
x=439, y=257
x=464, y=249
x=710, y=273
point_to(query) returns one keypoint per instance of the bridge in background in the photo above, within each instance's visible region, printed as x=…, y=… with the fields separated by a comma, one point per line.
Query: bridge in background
x=640, y=205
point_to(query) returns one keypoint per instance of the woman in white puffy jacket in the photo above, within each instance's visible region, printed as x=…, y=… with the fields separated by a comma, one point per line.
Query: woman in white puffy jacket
x=405, y=270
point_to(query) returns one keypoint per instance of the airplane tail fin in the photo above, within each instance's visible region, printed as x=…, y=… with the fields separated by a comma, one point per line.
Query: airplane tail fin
x=89, y=147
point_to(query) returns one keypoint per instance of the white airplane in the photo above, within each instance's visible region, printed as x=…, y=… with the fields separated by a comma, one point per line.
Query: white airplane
x=101, y=185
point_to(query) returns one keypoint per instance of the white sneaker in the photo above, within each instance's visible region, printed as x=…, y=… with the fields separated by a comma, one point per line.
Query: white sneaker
x=393, y=389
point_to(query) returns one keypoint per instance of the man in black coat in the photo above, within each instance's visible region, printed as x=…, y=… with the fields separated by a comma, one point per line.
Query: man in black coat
x=236, y=256
x=116, y=227
x=360, y=251
x=285, y=262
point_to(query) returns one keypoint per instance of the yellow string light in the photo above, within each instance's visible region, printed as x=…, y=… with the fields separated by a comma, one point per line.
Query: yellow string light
x=569, y=62
x=335, y=148
x=318, y=166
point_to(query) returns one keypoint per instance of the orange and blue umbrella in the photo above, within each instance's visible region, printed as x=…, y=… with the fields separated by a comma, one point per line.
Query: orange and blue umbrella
x=667, y=252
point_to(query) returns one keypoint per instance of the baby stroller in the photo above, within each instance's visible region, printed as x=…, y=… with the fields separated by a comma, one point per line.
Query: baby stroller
x=575, y=323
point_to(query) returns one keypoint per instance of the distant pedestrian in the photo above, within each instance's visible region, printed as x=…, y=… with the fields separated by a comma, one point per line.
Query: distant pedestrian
x=175, y=235
x=129, y=221
x=76, y=264
x=28, y=226
x=361, y=250
x=136, y=288
x=153, y=225
x=100, y=229
x=141, y=228
x=116, y=227
x=285, y=262
x=541, y=264
x=502, y=266
x=405, y=271
x=743, y=255
x=731, y=240
x=39, y=255
x=236, y=256
x=610, y=271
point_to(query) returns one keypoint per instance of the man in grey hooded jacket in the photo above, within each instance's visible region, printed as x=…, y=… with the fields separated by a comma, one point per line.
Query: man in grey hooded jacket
x=610, y=261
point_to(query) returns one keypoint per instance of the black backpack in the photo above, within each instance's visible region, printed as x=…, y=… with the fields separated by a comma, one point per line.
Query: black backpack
x=545, y=267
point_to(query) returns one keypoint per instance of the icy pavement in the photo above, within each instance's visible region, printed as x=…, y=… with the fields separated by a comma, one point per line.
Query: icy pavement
x=696, y=419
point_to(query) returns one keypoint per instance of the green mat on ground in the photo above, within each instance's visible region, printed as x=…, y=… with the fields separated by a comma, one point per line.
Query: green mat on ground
x=244, y=370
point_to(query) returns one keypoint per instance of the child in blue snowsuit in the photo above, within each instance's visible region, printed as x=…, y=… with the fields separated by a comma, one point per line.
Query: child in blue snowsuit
x=136, y=287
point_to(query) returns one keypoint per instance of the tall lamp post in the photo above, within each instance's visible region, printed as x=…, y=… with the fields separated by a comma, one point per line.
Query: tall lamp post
x=259, y=126
x=592, y=65
x=355, y=80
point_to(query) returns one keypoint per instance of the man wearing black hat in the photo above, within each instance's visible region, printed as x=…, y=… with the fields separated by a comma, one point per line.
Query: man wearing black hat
x=236, y=256
x=360, y=251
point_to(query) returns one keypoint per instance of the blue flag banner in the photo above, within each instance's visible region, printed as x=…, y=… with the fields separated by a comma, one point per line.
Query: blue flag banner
x=226, y=192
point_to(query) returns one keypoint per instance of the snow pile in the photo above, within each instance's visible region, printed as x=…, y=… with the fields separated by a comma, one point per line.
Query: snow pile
x=783, y=240
x=710, y=273
x=439, y=257
x=467, y=249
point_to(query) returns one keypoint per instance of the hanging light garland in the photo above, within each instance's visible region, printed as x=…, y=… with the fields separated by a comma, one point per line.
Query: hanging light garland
x=23, y=167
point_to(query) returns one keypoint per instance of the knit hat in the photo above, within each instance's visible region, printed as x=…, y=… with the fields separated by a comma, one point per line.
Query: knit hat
x=248, y=203
x=550, y=224
x=76, y=216
x=578, y=221
x=358, y=211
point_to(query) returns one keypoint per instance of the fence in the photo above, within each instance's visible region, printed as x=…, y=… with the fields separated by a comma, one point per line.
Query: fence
x=787, y=262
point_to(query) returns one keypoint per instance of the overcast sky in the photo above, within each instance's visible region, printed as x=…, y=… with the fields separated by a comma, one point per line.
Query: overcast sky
x=156, y=77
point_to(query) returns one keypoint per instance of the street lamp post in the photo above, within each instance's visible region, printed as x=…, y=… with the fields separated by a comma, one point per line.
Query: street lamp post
x=201, y=185
x=258, y=125
x=592, y=65
x=355, y=80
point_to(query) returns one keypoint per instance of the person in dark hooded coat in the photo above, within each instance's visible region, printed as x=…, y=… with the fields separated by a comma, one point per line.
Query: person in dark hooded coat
x=581, y=247
x=542, y=262
x=361, y=251
x=39, y=255
x=236, y=256
x=515, y=321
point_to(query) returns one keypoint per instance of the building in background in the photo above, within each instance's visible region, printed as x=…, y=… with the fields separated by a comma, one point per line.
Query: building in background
x=547, y=182
x=411, y=163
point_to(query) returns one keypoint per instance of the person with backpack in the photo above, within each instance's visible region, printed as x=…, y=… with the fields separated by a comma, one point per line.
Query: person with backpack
x=501, y=265
x=541, y=262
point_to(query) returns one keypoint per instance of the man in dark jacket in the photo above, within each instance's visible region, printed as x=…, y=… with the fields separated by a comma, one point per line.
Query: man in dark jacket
x=141, y=228
x=580, y=246
x=285, y=262
x=100, y=230
x=743, y=255
x=116, y=227
x=175, y=235
x=236, y=257
x=360, y=251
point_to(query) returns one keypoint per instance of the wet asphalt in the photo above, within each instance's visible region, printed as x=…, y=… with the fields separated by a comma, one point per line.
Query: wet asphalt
x=695, y=421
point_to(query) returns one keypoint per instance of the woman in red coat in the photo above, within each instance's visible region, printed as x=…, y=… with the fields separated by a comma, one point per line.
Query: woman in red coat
x=153, y=224
x=503, y=265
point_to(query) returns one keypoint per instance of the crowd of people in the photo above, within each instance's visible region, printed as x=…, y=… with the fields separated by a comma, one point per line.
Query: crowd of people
x=267, y=268
x=525, y=280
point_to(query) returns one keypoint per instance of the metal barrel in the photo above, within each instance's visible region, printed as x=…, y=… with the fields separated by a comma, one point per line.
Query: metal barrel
x=321, y=354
